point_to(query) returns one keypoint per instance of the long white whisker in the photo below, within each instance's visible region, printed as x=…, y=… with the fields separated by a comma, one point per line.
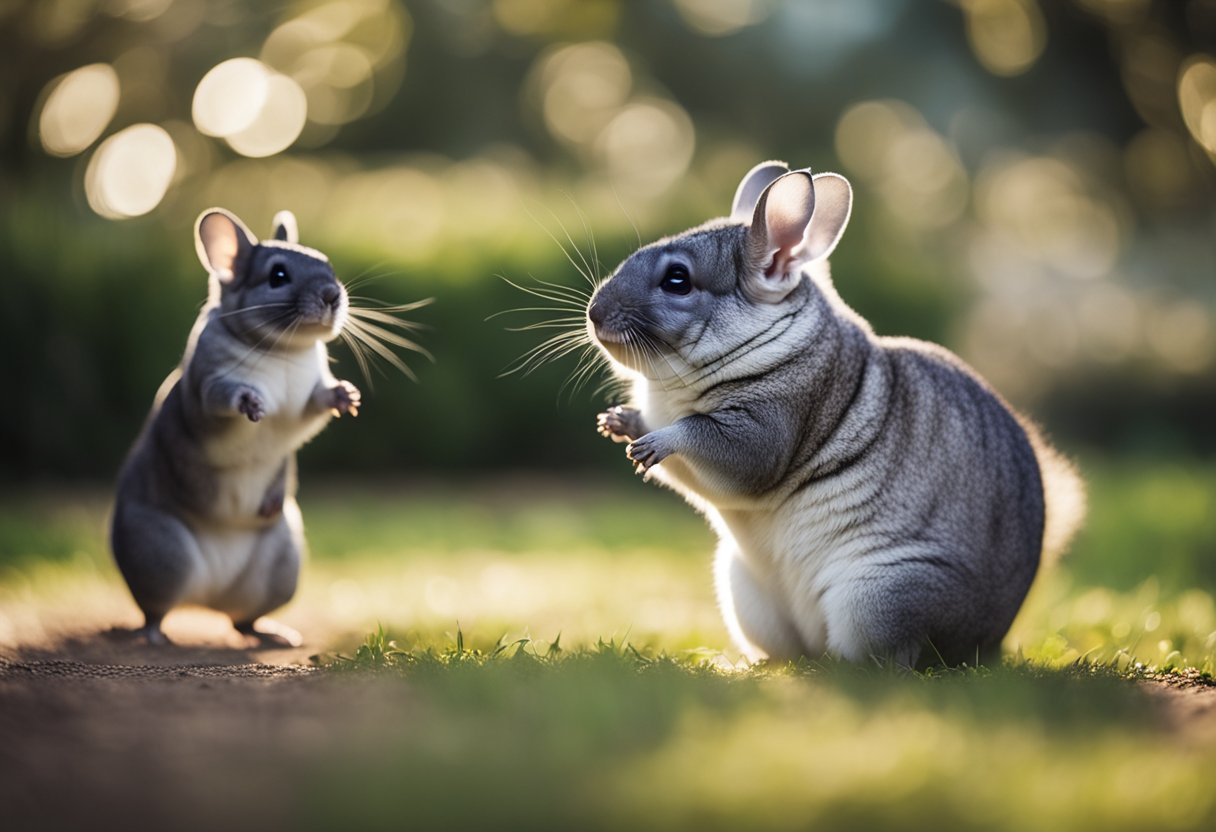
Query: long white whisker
x=565, y=253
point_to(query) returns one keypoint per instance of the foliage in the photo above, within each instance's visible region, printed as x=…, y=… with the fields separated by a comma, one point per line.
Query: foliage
x=1060, y=242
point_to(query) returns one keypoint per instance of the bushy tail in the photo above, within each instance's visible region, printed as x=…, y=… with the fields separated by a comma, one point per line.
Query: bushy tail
x=1064, y=498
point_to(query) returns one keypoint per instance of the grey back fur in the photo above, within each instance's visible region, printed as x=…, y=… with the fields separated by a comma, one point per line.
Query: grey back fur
x=205, y=511
x=874, y=497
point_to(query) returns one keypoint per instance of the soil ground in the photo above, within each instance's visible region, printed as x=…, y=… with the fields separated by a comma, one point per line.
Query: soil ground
x=100, y=730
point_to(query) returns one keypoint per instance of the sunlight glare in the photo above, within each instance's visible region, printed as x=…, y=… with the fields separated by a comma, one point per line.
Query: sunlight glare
x=277, y=124
x=1044, y=202
x=716, y=18
x=140, y=11
x=230, y=96
x=78, y=108
x=648, y=146
x=130, y=171
x=1007, y=36
x=888, y=144
x=1197, y=100
x=582, y=87
x=1182, y=335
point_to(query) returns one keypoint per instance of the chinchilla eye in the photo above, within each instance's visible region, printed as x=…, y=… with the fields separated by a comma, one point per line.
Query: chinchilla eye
x=676, y=280
x=278, y=276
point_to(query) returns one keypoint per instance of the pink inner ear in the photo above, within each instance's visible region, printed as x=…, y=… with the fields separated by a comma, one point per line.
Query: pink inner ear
x=220, y=243
x=787, y=212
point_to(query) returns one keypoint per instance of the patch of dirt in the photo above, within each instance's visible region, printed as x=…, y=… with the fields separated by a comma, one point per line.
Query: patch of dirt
x=1188, y=704
x=99, y=729
x=104, y=732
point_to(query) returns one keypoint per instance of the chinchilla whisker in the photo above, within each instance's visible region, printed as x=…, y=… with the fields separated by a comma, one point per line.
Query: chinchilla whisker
x=627, y=216
x=253, y=308
x=557, y=323
x=652, y=347
x=585, y=370
x=381, y=334
x=235, y=376
x=575, y=292
x=383, y=317
x=256, y=349
x=366, y=334
x=522, y=309
x=377, y=338
x=356, y=349
x=364, y=277
x=382, y=307
x=585, y=272
x=859, y=448
x=374, y=343
x=573, y=300
x=547, y=351
x=595, y=255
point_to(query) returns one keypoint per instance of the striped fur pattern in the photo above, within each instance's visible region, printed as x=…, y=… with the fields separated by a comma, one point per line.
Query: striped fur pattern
x=874, y=497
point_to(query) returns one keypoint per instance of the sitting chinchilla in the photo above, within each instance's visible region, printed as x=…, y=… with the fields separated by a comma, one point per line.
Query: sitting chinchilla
x=206, y=511
x=873, y=496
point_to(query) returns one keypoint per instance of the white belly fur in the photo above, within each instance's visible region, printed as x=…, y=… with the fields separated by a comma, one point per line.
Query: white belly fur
x=237, y=546
x=251, y=454
x=235, y=569
x=794, y=549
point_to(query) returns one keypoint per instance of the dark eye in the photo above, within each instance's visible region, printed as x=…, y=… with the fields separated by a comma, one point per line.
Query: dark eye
x=278, y=276
x=676, y=280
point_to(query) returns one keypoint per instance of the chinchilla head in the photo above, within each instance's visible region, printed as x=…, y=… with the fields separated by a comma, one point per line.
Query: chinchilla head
x=678, y=304
x=276, y=293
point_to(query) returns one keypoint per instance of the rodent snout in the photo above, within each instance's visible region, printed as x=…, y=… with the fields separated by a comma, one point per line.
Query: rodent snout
x=596, y=313
x=331, y=295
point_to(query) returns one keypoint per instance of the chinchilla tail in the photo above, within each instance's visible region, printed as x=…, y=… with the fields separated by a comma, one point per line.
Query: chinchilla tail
x=1064, y=500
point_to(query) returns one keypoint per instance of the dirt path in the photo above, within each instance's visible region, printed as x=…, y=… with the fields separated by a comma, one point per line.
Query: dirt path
x=206, y=734
x=214, y=733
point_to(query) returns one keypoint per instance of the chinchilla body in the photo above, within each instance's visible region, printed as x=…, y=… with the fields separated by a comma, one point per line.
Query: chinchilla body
x=874, y=497
x=205, y=511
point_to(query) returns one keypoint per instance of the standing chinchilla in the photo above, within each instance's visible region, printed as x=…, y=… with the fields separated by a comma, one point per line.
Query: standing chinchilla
x=874, y=497
x=206, y=511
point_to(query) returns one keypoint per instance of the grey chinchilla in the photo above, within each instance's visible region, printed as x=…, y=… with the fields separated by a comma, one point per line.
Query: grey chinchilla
x=205, y=511
x=873, y=496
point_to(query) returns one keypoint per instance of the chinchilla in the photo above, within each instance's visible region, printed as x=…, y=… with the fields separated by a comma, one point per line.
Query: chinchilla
x=205, y=510
x=873, y=496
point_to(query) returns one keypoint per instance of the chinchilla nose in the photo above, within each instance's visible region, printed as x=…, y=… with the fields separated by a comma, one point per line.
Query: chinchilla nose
x=596, y=313
x=331, y=295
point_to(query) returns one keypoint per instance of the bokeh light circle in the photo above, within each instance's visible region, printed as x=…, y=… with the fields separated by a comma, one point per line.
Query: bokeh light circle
x=78, y=108
x=230, y=97
x=277, y=124
x=130, y=171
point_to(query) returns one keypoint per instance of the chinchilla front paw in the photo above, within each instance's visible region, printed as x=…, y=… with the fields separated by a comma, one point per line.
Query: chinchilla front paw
x=249, y=403
x=272, y=503
x=345, y=398
x=620, y=424
x=649, y=451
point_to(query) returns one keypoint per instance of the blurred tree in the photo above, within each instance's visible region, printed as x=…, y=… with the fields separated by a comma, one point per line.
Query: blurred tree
x=1035, y=183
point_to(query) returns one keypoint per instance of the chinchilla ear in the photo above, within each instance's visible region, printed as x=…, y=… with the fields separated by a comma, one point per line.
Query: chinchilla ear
x=285, y=228
x=798, y=220
x=223, y=243
x=833, y=205
x=774, y=239
x=752, y=185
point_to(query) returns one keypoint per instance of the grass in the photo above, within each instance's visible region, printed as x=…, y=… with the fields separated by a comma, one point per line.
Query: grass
x=608, y=737
x=548, y=655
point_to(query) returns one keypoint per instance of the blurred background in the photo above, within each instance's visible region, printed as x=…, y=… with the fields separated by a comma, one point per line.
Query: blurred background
x=1035, y=188
x=1035, y=182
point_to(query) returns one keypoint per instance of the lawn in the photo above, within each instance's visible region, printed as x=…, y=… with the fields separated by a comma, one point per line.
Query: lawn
x=535, y=654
